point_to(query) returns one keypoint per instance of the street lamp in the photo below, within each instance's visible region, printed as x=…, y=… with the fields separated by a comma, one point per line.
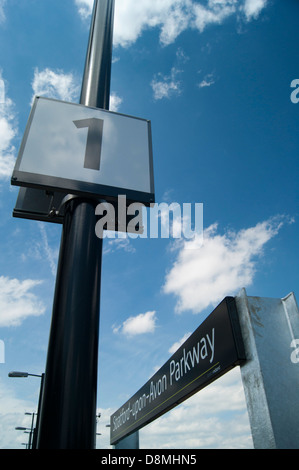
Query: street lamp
x=33, y=431
x=17, y=374
x=28, y=431
x=22, y=374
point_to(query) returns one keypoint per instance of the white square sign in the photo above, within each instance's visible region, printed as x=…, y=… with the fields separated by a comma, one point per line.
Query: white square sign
x=87, y=151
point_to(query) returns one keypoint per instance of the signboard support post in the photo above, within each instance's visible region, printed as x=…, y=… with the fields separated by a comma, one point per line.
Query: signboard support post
x=68, y=408
x=129, y=442
x=270, y=375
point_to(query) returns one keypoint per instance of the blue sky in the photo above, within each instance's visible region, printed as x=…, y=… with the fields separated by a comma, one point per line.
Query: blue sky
x=214, y=77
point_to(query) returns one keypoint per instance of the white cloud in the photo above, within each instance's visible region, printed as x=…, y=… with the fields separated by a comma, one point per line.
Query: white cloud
x=176, y=20
x=165, y=86
x=214, y=418
x=2, y=91
x=8, y=131
x=51, y=254
x=214, y=13
x=84, y=8
x=2, y=14
x=121, y=242
x=207, y=81
x=181, y=56
x=55, y=84
x=132, y=18
x=171, y=17
x=103, y=440
x=252, y=8
x=12, y=415
x=63, y=86
x=115, y=102
x=17, y=302
x=179, y=343
x=39, y=249
x=204, y=273
x=141, y=324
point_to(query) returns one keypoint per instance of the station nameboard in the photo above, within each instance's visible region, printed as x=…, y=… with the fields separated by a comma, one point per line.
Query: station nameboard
x=86, y=151
x=213, y=349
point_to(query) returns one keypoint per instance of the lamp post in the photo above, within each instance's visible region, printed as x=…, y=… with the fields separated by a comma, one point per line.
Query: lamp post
x=17, y=374
x=31, y=436
x=28, y=431
x=68, y=408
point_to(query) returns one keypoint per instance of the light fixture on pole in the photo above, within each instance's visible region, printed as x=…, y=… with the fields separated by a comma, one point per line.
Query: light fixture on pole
x=16, y=374
x=27, y=431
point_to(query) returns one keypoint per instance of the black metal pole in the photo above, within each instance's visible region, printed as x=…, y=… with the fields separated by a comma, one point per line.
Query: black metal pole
x=97, y=73
x=68, y=408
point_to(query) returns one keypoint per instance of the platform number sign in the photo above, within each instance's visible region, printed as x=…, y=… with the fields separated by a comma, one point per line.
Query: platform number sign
x=87, y=151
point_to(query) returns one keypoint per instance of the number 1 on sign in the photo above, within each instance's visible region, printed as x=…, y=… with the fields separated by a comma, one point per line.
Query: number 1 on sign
x=94, y=141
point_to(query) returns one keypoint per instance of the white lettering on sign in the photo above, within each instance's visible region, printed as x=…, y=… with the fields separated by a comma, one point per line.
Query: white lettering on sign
x=157, y=388
x=204, y=348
